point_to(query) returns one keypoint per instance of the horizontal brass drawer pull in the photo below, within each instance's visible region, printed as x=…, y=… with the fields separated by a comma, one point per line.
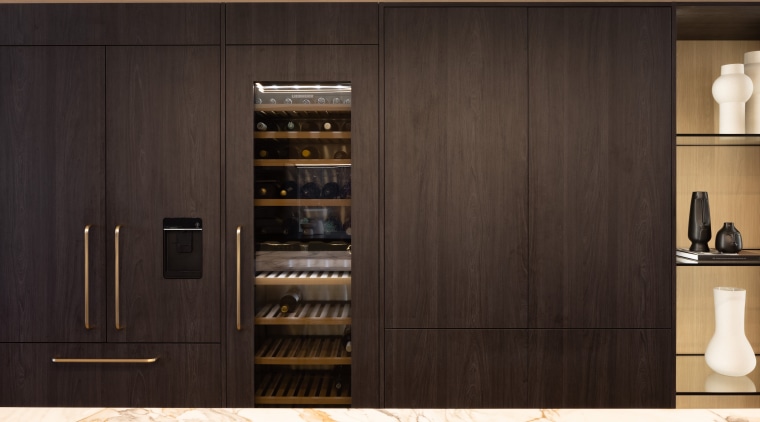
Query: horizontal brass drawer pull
x=68, y=360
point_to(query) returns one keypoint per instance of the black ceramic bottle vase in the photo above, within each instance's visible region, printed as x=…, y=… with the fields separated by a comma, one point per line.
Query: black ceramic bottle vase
x=700, y=231
x=728, y=239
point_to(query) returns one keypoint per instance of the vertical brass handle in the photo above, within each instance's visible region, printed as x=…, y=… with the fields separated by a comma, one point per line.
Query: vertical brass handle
x=87, y=277
x=237, y=272
x=116, y=275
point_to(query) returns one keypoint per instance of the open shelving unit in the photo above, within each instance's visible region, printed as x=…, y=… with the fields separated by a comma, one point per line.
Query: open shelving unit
x=728, y=168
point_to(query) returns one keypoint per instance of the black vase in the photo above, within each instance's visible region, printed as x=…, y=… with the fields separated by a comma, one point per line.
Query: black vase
x=700, y=231
x=728, y=239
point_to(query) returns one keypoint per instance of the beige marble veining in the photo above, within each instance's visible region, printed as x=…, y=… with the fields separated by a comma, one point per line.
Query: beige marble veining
x=14, y=414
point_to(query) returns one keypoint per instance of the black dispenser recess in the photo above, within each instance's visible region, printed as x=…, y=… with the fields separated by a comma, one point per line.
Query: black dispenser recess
x=183, y=248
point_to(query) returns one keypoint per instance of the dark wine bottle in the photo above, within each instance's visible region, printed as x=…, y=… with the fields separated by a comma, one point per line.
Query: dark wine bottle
x=328, y=125
x=341, y=378
x=347, y=338
x=290, y=125
x=261, y=126
x=290, y=300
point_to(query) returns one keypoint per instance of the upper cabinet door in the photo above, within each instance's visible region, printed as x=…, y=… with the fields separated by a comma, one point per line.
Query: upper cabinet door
x=601, y=160
x=163, y=135
x=301, y=23
x=456, y=167
x=52, y=185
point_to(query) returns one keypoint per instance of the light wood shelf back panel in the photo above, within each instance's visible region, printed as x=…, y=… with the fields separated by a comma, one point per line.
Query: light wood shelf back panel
x=697, y=66
x=695, y=310
x=730, y=175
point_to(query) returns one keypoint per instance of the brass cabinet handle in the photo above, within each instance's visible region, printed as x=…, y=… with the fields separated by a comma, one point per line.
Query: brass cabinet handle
x=116, y=275
x=237, y=265
x=87, y=277
x=97, y=360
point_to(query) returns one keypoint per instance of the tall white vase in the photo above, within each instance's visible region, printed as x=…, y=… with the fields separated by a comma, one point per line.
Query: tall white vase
x=752, y=107
x=731, y=90
x=729, y=352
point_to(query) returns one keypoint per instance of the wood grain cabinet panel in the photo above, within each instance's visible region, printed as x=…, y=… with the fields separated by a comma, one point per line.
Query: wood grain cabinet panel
x=601, y=159
x=302, y=23
x=110, y=24
x=183, y=375
x=456, y=368
x=52, y=181
x=456, y=175
x=601, y=368
x=163, y=135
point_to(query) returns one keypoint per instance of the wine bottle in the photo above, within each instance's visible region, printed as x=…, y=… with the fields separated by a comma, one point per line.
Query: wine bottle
x=340, y=155
x=261, y=126
x=341, y=378
x=328, y=125
x=290, y=300
x=290, y=125
x=347, y=338
x=309, y=152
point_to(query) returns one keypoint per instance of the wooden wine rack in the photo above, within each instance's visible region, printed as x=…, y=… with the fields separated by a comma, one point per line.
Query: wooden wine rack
x=306, y=313
x=269, y=278
x=285, y=162
x=300, y=388
x=302, y=202
x=295, y=134
x=302, y=350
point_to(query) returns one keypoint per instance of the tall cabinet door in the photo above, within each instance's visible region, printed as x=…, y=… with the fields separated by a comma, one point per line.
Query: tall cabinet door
x=52, y=185
x=356, y=64
x=456, y=174
x=163, y=136
x=601, y=205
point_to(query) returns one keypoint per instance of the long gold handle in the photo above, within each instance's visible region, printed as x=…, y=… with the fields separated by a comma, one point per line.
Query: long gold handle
x=116, y=275
x=237, y=265
x=97, y=360
x=87, y=277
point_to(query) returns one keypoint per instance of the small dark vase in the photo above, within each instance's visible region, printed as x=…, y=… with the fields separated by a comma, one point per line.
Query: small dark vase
x=728, y=239
x=700, y=231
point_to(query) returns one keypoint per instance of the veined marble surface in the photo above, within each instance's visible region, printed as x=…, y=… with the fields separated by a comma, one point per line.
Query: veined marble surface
x=49, y=414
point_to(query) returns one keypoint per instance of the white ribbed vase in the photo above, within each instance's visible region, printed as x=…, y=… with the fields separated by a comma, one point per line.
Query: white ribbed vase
x=752, y=107
x=731, y=90
x=729, y=352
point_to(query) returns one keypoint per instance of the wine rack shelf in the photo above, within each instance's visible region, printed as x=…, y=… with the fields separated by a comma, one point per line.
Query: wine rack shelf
x=274, y=278
x=301, y=163
x=306, y=313
x=302, y=202
x=301, y=388
x=303, y=350
x=302, y=135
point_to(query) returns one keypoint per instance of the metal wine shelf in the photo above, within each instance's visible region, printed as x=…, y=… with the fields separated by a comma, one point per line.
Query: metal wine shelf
x=306, y=313
x=301, y=388
x=265, y=278
x=302, y=350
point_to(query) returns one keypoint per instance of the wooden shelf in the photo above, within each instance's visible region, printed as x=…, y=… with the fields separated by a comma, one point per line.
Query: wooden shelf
x=295, y=162
x=302, y=202
x=300, y=388
x=307, y=313
x=302, y=135
x=321, y=278
x=302, y=350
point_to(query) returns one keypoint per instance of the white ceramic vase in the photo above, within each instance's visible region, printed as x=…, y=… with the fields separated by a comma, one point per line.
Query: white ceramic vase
x=729, y=352
x=752, y=107
x=731, y=91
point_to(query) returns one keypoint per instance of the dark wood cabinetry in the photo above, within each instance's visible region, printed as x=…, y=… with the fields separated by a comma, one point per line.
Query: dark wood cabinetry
x=600, y=151
x=96, y=138
x=163, y=127
x=537, y=183
x=53, y=185
x=456, y=174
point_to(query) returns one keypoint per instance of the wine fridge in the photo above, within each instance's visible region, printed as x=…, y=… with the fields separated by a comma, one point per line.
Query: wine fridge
x=302, y=223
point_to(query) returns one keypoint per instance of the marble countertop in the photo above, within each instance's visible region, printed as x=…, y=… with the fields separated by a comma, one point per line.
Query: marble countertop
x=380, y=415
